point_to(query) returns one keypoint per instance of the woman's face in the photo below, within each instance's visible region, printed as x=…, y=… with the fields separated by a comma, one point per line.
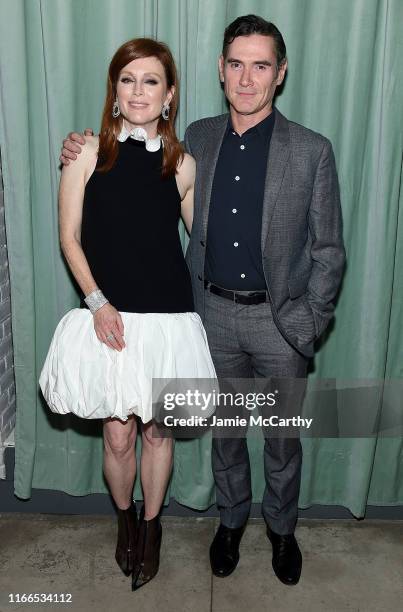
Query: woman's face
x=142, y=91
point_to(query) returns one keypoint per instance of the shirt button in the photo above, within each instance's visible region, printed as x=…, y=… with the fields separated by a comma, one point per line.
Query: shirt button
x=234, y=210
x=235, y=244
x=237, y=178
x=242, y=147
x=242, y=275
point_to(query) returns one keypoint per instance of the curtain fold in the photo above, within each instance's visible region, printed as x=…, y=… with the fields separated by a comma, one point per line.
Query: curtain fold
x=344, y=81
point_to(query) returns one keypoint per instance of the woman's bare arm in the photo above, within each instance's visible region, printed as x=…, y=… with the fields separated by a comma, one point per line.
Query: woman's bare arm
x=107, y=320
x=186, y=180
x=71, y=195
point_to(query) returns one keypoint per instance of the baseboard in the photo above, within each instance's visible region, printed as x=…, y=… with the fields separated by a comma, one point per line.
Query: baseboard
x=44, y=501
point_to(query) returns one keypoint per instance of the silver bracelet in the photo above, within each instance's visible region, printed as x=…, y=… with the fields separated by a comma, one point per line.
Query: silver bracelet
x=95, y=300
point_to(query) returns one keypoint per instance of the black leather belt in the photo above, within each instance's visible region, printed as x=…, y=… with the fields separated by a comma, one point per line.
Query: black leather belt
x=253, y=297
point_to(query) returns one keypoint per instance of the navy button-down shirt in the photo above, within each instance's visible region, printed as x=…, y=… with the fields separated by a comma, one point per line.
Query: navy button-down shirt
x=233, y=249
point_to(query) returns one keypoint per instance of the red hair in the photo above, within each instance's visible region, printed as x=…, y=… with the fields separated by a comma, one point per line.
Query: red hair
x=110, y=128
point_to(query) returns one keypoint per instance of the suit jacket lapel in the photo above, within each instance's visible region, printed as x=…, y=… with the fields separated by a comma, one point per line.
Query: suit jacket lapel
x=278, y=156
x=210, y=156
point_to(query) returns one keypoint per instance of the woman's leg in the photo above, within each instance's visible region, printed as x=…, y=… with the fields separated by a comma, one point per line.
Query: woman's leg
x=120, y=471
x=156, y=466
x=120, y=459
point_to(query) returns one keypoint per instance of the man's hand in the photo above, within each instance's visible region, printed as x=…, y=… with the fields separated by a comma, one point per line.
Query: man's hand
x=71, y=146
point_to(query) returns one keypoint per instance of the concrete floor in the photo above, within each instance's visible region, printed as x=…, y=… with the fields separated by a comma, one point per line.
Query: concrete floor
x=348, y=565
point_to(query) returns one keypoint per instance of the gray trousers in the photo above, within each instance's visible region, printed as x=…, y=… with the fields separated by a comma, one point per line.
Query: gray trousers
x=244, y=343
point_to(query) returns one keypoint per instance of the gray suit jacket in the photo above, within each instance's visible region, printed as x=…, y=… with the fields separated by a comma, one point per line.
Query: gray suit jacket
x=302, y=244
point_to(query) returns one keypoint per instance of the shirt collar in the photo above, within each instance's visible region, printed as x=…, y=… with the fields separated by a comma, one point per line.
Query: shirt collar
x=264, y=128
x=139, y=133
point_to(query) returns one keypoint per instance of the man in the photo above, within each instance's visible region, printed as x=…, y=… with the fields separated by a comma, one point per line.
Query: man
x=266, y=257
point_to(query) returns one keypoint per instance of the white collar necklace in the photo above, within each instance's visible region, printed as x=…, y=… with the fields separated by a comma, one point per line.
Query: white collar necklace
x=139, y=133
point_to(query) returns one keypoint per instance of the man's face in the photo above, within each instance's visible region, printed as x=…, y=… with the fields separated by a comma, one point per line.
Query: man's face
x=249, y=73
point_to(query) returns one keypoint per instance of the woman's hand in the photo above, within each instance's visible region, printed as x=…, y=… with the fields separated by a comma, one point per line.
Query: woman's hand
x=108, y=323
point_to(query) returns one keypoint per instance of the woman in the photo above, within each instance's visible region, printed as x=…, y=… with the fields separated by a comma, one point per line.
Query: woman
x=119, y=206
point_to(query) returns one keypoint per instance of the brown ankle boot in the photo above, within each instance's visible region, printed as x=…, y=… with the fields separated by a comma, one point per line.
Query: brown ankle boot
x=127, y=538
x=147, y=557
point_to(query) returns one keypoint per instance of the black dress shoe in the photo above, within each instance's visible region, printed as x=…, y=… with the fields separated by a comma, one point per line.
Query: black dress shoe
x=287, y=558
x=224, y=550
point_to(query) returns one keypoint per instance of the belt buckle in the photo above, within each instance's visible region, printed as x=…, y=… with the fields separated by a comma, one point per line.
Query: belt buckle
x=254, y=296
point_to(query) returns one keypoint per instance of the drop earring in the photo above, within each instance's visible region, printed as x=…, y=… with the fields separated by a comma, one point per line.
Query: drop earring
x=116, y=108
x=165, y=112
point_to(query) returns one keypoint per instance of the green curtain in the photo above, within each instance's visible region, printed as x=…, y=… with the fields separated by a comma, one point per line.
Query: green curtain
x=344, y=80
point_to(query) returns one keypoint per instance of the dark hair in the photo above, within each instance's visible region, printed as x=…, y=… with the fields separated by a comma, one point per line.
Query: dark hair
x=110, y=128
x=252, y=24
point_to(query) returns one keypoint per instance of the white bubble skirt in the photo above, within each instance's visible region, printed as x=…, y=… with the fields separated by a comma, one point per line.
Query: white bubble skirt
x=83, y=376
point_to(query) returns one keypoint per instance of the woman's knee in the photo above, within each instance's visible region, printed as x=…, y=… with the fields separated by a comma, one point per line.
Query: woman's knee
x=119, y=438
x=151, y=438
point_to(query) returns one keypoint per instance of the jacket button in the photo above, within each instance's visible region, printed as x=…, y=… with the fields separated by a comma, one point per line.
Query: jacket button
x=202, y=243
x=199, y=277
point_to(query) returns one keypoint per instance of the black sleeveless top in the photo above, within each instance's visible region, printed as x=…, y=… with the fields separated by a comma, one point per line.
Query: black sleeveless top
x=130, y=236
